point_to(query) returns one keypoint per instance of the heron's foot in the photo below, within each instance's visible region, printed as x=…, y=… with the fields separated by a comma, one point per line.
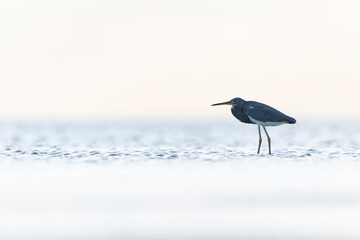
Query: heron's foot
x=258, y=151
x=269, y=142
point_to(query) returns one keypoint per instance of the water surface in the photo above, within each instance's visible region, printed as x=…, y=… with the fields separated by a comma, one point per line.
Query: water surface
x=179, y=181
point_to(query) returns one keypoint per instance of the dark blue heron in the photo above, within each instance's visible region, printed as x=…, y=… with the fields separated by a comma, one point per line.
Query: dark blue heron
x=257, y=113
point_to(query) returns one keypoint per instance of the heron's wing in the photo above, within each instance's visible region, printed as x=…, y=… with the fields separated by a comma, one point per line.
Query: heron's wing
x=264, y=113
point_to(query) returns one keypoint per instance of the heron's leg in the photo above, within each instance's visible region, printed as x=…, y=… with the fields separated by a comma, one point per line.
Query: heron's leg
x=269, y=140
x=260, y=140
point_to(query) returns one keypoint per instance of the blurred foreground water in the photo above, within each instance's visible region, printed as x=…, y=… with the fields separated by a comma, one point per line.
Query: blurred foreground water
x=179, y=181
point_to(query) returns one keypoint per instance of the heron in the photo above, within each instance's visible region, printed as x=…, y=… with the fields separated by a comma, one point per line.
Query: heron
x=252, y=112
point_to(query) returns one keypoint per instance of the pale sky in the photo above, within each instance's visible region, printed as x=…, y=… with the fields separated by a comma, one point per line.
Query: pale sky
x=153, y=59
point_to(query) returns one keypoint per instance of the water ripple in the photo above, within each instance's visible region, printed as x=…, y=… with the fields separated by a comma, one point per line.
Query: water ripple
x=95, y=143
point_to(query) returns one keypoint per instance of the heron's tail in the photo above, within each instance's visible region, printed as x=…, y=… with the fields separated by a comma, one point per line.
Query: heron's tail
x=291, y=120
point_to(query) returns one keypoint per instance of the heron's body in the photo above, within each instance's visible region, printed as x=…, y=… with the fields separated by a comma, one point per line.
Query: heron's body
x=252, y=112
x=266, y=124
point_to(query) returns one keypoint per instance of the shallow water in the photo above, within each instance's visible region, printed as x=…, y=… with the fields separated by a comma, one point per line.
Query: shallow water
x=179, y=181
x=103, y=143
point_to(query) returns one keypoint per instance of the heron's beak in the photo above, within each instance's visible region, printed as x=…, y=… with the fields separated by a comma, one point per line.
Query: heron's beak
x=223, y=103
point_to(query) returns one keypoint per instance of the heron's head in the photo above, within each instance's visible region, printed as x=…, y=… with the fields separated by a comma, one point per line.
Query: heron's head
x=237, y=102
